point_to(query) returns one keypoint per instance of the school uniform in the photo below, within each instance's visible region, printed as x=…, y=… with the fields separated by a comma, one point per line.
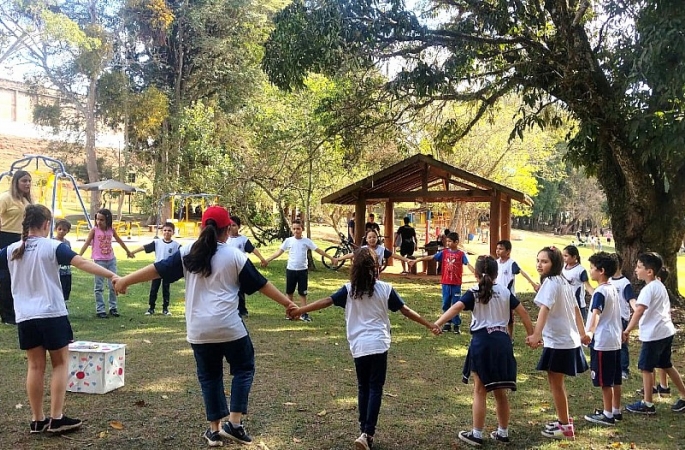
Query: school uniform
x=382, y=254
x=605, y=348
x=65, y=275
x=243, y=244
x=562, y=351
x=656, y=329
x=506, y=274
x=39, y=307
x=296, y=274
x=162, y=249
x=491, y=352
x=577, y=276
x=625, y=295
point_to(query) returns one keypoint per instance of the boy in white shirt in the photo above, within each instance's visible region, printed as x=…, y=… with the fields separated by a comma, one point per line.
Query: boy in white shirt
x=605, y=328
x=653, y=312
x=296, y=272
x=626, y=298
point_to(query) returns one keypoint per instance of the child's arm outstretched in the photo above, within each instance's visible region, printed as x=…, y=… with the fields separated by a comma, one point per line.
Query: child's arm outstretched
x=535, y=284
x=324, y=254
x=535, y=338
x=315, y=306
x=589, y=288
x=258, y=254
x=115, y=235
x=416, y=317
x=86, y=265
x=450, y=313
x=276, y=254
x=520, y=311
x=89, y=240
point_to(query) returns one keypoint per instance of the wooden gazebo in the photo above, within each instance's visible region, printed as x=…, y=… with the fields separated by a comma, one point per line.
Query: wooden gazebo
x=421, y=178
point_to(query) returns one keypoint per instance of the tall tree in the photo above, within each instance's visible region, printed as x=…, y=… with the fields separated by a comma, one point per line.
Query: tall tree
x=613, y=65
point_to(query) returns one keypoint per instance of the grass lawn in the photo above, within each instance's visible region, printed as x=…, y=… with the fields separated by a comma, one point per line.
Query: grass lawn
x=304, y=394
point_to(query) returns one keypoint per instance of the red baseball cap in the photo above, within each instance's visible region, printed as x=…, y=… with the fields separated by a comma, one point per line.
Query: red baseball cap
x=218, y=215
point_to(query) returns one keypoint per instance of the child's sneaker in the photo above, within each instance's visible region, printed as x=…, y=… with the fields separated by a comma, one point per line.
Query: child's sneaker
x=446, y=328
x=236, y=434
x=600, y=419
x=562, y=432
x=663, y=390
x=213, y=438
x=114, y=313
x=456, y=329
x=166, y=312
x=556, y=423
x=38, y=426
x=678, y=406
x=64, y=424
x=641, y=407
x=499, y=438
x=363, y=442
x=305, y=318
x=469, y=438
x=149, y=312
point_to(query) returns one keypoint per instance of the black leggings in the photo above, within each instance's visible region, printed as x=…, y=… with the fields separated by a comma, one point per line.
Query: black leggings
x=6, y=299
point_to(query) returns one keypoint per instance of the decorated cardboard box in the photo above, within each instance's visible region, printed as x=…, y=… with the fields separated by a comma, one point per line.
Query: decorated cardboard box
x=96, y=367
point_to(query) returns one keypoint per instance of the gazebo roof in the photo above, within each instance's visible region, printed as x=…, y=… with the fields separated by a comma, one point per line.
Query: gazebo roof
x=416, y=179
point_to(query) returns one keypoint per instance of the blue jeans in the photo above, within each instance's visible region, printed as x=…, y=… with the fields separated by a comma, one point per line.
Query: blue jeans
x=109, y=264
x=210, y=373
x=371, y=370
x=625, y=355
x=451, y=293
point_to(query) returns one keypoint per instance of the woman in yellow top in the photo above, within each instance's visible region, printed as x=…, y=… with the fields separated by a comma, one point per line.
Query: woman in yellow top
x=12, y=204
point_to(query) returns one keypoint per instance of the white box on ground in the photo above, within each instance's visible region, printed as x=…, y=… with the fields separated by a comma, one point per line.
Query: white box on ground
x=96, y=367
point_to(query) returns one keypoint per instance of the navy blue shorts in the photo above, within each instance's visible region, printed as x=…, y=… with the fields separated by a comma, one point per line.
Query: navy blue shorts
x=605, y=367
x=655, y=354
x=52, y=333
x=296, y=278
x=569, y=361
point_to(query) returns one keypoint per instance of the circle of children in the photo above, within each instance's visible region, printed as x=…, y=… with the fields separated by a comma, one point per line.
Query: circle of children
x=218, y=272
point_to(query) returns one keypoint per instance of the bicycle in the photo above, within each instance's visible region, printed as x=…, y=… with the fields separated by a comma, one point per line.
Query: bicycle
x=336, y=251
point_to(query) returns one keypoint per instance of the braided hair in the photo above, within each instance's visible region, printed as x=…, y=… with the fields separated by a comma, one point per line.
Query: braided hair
x=35, y=217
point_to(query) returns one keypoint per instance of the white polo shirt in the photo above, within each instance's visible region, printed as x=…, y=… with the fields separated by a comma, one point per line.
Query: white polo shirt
x=655, y=323
x=297, y=252
x=560, y=330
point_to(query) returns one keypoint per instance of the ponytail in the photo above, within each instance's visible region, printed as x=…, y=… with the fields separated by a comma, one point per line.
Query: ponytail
x=199, y=259
x=35, y=217
x=486, y=272
x=363, y=273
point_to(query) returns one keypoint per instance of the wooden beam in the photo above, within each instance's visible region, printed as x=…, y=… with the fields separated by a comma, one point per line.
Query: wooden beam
x=359, y=219
x=506, y=217
x=388, y=228
x=432, y=195
x=495, y=222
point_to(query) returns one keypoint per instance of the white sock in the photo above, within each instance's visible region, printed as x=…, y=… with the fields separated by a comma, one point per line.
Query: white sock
x=608, y=414
x=235, y=425
x=616, y=411
x=478, y=433
x=504, y=432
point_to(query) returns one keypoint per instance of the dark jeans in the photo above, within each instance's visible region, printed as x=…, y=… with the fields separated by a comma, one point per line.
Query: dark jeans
x=371, y=370
x=625, y=354
x=6, y=299
x=154, y=289
x=65, y=281
x=210, y=372
x=242, y=306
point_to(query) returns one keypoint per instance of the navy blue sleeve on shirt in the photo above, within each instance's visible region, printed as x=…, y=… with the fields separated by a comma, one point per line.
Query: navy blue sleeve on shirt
x=251, y=280
x=628, y=293
x=249, y=248
x=340, y=297
x=149, y=248
x=3, y=259
x=387, y=254
x=64, y=254
x=469, y=300
x=515, y=269
x=513, y=301
x=438, y=256
x=597, y=301
x=395, y=302
x=171, y=268
x=583, y=276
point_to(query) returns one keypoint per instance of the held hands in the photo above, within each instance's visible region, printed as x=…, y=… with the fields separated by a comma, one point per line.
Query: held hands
x=265, y=263
x=411, y=262
x=130, y=254
x=534, y=341
x=293, y=311
x=586, y=339
x=334, y=261
x=435, y=329
x=119, y=284
x=536, y=287
x=625, y=336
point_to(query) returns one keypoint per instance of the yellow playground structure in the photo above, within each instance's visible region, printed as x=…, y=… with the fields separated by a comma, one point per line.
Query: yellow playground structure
x=183, y=222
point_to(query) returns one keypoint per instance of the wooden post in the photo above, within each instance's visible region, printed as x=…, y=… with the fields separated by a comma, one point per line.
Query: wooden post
x=506, y=218
x=495, y=221
x=388, y=225
x=359, y=220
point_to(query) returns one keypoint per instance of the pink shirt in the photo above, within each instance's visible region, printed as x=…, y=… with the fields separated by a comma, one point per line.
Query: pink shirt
x=102, y=245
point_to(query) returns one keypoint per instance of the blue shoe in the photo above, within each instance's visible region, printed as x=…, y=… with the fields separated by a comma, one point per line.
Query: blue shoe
x=641, y=408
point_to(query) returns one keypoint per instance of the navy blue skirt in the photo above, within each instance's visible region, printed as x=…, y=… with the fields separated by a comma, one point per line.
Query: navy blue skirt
x=491, y=357
x=569, y=361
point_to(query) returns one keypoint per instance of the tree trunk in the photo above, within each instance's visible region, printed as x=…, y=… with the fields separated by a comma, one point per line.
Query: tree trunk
x=91, y=155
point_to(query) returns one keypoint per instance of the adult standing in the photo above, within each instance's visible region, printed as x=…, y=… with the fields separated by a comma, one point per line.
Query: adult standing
x=350, y=229
x=408, y=244
x=12, y=204
x=214, y=274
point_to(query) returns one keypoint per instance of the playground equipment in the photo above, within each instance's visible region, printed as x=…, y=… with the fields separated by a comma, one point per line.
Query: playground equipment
x=55, y=173
x=186, y=226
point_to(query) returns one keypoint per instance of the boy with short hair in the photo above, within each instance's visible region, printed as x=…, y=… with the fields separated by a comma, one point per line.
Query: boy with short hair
x=626, y=299
x=507, y=269
x=453, y=262
x=242, y=243
x=296, y=272
x=62, y=227
x=604, y=328
x=653, y=313
x=163, y=248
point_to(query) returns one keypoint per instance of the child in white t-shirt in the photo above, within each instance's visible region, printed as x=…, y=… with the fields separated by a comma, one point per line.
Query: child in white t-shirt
x=653, y=313
x=296, y=272
x=626, y=299
x=605, y=328
x=366, y=301
x=577, y=276
x=560, y=326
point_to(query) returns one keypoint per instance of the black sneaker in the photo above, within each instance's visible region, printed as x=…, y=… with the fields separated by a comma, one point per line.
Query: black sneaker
x=446, y=328
x=457, y=330
x=102, y=315
x=663, y=390
x=213, y=438
x=499, y=438
x=305, y=318
x=166, y=312
x=113, y=312
x=149, y=312
x=678, y=406
x=600, y=419
x=236, y=434
x=38, y=426
x=469, y=438
x=64, y=424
